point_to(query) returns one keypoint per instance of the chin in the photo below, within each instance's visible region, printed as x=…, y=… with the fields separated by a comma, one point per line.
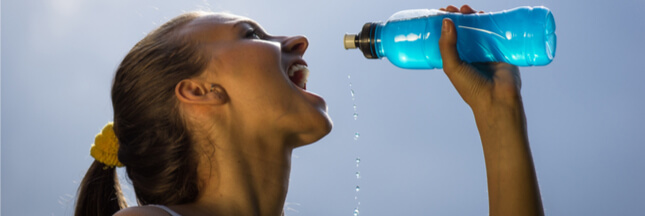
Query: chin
x=322, y=127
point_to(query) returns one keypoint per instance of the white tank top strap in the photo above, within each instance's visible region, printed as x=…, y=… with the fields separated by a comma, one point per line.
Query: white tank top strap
x=171, y=212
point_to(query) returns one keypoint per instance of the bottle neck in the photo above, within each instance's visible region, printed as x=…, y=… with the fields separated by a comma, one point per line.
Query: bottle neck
x=368, y=41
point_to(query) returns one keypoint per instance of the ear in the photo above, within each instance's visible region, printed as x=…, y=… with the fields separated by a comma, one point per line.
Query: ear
x=197, y=92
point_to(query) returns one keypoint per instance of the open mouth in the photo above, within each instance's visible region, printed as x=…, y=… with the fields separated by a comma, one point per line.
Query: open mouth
x=298, y=74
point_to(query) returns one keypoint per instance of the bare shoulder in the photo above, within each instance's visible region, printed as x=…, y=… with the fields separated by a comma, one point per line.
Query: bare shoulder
x=141, y=211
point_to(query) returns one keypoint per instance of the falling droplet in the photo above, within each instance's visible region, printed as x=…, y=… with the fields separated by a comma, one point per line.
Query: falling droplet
x=356, y=136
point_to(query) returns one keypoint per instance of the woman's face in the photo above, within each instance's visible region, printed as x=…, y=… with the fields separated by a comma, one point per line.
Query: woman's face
x=254, y=69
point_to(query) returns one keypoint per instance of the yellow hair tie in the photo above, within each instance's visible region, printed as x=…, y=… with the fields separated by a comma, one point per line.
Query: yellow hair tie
x=105, y=148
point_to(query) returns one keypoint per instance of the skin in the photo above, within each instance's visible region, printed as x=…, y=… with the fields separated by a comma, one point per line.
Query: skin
x=492, y=90
x=249, y=124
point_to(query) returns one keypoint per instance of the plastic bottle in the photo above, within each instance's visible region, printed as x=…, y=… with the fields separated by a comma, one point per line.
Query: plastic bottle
x=523, y=36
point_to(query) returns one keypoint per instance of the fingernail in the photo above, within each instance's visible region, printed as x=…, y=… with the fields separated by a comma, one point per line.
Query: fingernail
x=444, y=26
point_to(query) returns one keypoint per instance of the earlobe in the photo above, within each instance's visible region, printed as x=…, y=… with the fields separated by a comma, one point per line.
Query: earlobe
x=197, y=92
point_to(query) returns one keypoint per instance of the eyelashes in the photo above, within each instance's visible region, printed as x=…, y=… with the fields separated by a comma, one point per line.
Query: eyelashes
x=251, y=30
x=252, y=33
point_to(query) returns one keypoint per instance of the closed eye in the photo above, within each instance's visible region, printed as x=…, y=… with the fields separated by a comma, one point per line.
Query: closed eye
x=253, y=34
x=249, y=29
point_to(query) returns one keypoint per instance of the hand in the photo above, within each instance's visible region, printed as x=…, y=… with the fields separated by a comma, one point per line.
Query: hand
x=481, y=85
x=493, y=92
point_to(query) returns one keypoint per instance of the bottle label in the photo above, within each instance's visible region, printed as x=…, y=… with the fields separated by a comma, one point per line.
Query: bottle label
x=415, y=13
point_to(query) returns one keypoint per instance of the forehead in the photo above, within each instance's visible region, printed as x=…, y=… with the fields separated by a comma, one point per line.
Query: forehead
x=216, y=19
x=215, y=26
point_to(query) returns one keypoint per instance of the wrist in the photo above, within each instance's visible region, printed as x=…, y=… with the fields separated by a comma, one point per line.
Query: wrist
x=501, y=116
x=497, y=106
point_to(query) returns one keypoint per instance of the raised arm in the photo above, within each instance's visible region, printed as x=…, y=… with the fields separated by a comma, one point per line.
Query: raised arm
x=492, y=90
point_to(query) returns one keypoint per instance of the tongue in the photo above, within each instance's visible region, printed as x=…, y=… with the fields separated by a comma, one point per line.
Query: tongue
x=296, y=78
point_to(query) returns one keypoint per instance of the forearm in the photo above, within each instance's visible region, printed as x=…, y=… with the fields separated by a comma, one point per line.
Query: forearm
x=493, y=92
x=512, y=182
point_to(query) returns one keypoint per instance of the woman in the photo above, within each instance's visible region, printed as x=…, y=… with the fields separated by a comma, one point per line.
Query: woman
x=208, y=108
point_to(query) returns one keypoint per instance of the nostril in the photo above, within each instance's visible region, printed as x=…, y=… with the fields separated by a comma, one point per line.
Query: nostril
x=296, y=44
x=297, y=47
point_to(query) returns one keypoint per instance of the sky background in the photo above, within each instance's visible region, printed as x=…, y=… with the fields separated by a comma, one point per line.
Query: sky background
x=419, y=146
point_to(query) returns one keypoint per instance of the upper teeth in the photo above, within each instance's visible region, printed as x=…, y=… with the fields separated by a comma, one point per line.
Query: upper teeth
x=299, y=67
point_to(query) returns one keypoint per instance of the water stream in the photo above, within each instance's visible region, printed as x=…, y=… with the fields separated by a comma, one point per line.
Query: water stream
x=358, y=159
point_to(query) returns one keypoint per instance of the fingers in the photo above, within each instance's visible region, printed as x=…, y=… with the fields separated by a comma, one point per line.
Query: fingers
x=450, y=8
x=465, y=9
x=462, y=76
x=448, y=46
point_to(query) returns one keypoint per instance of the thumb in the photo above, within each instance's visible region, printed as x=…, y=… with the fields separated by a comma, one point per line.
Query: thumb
x=448, y=46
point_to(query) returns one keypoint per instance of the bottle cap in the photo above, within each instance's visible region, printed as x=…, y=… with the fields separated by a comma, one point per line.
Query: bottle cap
x=364, y=40
x=350, y=41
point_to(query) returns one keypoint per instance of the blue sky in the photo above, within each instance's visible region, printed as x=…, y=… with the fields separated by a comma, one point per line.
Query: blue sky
x=419, y=147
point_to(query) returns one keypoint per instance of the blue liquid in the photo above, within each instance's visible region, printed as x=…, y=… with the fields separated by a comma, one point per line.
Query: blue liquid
x=522, y=36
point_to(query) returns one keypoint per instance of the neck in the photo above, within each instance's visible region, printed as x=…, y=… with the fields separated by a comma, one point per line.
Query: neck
x=244, y=176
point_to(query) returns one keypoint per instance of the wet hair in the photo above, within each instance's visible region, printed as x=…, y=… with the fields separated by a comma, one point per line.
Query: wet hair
x=155, y=145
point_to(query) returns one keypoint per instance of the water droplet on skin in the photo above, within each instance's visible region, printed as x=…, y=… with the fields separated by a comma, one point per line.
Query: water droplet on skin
x=355, y=116
x=356, y=212
x=356, y=135
x=358, y=175
x=358, y=188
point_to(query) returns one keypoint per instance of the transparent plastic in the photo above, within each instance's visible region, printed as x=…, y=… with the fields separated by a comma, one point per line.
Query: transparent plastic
x=523, y=36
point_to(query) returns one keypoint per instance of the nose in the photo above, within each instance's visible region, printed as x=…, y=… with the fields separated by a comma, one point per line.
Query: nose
x=295, y=44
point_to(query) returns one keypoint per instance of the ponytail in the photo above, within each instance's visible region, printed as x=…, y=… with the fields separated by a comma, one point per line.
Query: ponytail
x=99, y=193
x=153, y=141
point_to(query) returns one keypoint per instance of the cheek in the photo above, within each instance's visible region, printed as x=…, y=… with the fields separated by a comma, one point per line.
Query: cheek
x=243, y=58
x=252, y=73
